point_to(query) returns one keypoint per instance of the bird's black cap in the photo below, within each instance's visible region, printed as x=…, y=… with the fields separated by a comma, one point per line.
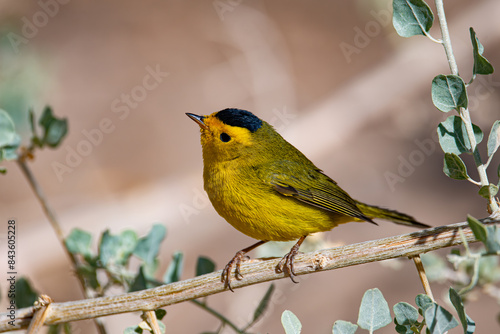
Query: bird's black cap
x=240, y=118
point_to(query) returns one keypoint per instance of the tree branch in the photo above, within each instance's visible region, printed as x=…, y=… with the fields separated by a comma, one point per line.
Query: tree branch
x=254, y=272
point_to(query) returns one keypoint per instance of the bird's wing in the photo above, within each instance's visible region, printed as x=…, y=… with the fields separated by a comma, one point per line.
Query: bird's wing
x=309, y=185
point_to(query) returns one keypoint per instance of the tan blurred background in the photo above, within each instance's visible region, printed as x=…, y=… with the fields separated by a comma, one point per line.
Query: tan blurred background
x=332, y=76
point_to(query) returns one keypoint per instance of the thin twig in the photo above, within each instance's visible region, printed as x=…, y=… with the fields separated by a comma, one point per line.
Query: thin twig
x=150, y=318
x=41, y=198
x=423, y=276
x=445, y=37
x=219, y=316
x=464, y=242
x=42, y=307
x=21, y=161
x=254, y=272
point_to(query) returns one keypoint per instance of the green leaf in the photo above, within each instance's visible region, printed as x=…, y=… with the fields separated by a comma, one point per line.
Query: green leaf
x=435, y=266
x=400, y=329
x=53, y=329
x=67, y=328
x=79, y=242
x=7, y=129
x=174, y=270
x=148, y=247
x=150, y=268
x=344, y=327
x=160, y=313
x=89, y=274
x=477, y=228
x=55, y=129
x=492, y=239
x=494, y=138
x=32, y=117
x=481, y=64
x=10, y=152
x=411, y=17
x=468, y=324
x=26, y=296
x=132, y=330
x=487, y=191
x=204, y=266
x=454, y=167
x=405, y=314
x=116, y=249
x=60, y=328
x=449, y=92
x=162, y=327
x=439, y=320
x=498, y=175
x=9, y=139
x=264, y=303
x=140, y=281
x=453, y=136
x=374, y=311
x=423, y=302
x=290, y=323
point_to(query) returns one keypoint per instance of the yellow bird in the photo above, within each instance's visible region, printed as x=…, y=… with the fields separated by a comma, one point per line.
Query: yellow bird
x=267, y=189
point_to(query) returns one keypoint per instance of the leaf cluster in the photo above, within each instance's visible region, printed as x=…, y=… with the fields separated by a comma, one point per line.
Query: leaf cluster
x=110, y=266
x=374, y=314
x=449, y=92
x=53, y=130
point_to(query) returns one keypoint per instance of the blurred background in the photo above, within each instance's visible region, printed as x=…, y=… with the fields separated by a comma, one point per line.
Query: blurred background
x=333, y=77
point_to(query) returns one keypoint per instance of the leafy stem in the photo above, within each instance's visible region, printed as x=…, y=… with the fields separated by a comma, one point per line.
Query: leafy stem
x=21, y=161
x=445, y=37
x=463, y=111
x=219, y=316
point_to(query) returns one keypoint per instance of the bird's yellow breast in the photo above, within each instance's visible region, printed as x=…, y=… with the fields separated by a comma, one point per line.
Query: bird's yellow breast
x=257, y=209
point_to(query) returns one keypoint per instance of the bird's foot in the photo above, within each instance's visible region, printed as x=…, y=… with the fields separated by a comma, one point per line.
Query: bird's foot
x=234, y=263
x=287, y=262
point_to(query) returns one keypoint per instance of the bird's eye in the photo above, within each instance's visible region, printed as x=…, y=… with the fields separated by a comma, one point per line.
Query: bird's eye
x=225, y=137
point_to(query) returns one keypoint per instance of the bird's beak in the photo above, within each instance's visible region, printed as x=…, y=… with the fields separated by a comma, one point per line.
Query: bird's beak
x=197, y=119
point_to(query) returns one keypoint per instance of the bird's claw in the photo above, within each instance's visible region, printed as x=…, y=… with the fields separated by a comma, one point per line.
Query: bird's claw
x=234, y=263
x=286, y=264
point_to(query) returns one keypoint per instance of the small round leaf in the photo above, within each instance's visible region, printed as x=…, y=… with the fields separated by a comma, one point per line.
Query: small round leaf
x=411, y=17
x=449, y=92
x=481, y=64
x=291, y=323
x=454, y=167
x=344, y=327
x=374, y=311
x=7, y=129
x=494, y=138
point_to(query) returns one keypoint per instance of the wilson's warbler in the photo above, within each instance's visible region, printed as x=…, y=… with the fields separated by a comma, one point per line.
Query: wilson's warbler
x=268, y=190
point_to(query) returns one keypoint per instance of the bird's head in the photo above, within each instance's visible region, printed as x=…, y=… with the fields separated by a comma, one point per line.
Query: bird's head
x=231, y=133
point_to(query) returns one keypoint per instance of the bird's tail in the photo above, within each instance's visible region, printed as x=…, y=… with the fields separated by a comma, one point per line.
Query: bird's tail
x=390, y=215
